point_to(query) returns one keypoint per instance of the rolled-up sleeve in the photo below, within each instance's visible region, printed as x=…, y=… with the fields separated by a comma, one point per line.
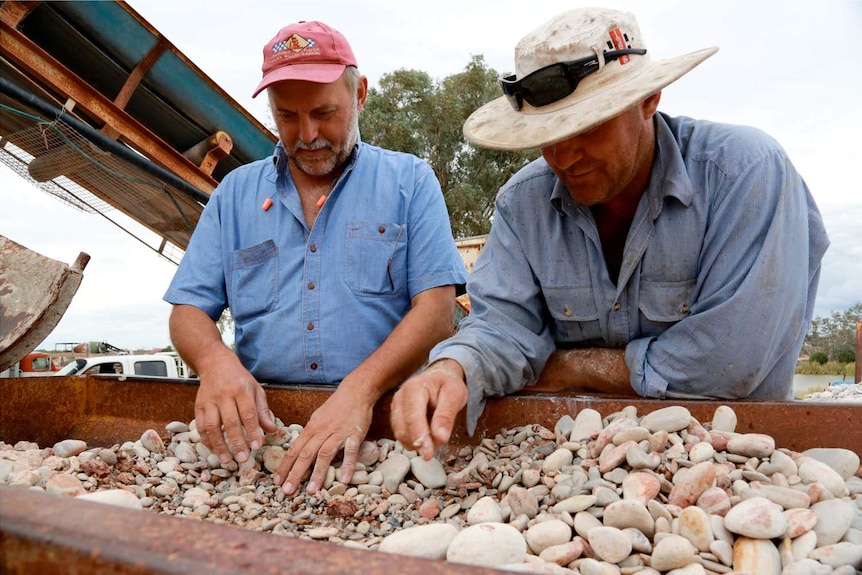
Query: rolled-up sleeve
x=504, y=342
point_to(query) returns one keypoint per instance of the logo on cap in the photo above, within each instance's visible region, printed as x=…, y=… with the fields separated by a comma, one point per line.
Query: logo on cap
x=295, y=43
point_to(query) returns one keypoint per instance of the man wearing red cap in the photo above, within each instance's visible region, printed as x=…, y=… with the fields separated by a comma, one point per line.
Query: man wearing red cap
x=335, y=257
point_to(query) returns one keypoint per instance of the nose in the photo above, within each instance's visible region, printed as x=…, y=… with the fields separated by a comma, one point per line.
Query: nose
x=308, y=129
x=565, y=154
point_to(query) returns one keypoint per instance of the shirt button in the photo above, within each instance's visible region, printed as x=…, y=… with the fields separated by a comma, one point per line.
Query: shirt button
x=313, y=248
x=685, y=308
x=381, y=229
x=310, y=326
x=310, y=285
x=617, y=306
x=313, y=366
x=567, y=312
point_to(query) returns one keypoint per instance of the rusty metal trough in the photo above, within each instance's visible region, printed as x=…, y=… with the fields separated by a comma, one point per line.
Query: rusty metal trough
x=48, y=535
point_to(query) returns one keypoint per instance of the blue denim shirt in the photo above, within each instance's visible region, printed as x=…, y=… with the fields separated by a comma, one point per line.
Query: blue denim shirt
x=716, y=289
x=311, y=305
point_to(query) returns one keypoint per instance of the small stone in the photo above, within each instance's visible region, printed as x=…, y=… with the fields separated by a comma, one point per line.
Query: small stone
x=694, y=525
x=758, y=556
x=724, y=419
x=834, y=518
x=843, y=461
x=69, y=447
x=152, y=441
x=672, y=552
x=485, y=510
x=547, y=534
x=751, y=445
x=116, y=497
x=429, y=473
x=588, y=423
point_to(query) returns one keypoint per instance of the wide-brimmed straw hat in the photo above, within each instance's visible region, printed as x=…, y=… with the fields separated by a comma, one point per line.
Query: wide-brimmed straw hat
x=616, y=86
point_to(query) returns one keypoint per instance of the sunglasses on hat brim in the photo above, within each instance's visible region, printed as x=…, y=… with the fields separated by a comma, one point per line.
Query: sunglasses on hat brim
x=555, y=81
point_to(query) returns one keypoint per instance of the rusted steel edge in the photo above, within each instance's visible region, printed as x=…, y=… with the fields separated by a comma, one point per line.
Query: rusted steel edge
x=104, y=410
x=50, y=534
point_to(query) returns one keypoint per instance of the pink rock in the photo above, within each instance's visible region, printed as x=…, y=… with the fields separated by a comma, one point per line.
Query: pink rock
x=799, y=521
x=642, y=487
x=715, y=501
x=751, y=445
x=612, y=458
x=692, y=484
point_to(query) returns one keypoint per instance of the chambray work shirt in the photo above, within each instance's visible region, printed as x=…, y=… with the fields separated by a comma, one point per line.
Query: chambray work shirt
x=716, y=289
x=311, y=305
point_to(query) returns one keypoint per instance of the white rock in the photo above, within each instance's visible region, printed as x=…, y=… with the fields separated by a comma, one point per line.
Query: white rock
x=751, y=445
x=429, y=473
x=428, y=541
x=588, y=422
x=394, y=470
x=629, y=513
x=806, y=567
x=152, y=441
x=843, y=461
x=487, y=544
x=557, y=460
x=724, y=419
x=813, y=471
x=610, y=544
x=575, y=504
x=834, y=517
x=668, y=419
x=69, y=447
x=694, y=525
x=672, y=552
x=547, y=534
x=485, y=510
x=839, y=554
x=117, y=497
x=757, y=518
x=803, y=545
x=758, y=556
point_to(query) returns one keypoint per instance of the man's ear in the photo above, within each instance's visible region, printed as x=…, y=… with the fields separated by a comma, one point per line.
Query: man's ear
x=650, y=105
x=361, y=92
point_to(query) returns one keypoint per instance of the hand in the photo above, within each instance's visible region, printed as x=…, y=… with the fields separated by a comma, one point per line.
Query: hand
x=442, y=390
x=230, y=396
x=341, y=422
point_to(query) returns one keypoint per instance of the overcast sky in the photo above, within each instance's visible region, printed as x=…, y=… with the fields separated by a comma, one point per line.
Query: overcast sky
x=789, y=67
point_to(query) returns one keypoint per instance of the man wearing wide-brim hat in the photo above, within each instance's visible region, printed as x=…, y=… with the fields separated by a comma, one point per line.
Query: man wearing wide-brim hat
x=641, y=254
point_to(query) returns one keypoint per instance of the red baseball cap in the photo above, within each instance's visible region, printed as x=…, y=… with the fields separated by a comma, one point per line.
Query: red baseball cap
x=310, y=51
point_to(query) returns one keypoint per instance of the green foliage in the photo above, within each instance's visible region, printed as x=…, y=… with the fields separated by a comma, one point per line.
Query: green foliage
x=834, y=334
x=819, y=357
x=412, y=113
x=845, y=356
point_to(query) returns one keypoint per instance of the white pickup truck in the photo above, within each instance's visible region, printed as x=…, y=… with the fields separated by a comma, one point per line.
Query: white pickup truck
x=152, y=365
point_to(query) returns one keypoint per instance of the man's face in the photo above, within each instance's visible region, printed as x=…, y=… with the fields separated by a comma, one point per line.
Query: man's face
x=613, y=158
x=317, y=123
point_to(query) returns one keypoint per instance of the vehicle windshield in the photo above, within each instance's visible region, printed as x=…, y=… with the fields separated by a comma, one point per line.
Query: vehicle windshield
x=72, y=367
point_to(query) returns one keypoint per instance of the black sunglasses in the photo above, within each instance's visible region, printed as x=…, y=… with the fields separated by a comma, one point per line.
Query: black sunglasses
x=556, y=81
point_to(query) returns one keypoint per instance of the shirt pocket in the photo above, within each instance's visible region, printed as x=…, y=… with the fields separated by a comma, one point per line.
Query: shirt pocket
x=376, y=258
x=254, y=281
x=575, y=318
x=663, y=304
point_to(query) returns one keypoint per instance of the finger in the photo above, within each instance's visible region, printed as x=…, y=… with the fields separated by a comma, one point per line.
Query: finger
x=415, y=409
x=234, y=431
x=247, y=409
x=327, y=452
x=450, y=401
x=297, y=462
x=351, y=452
x=208, y=421
x=264, y=415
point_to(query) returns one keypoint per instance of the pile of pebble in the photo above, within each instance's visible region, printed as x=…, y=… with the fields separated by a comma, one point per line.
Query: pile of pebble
x=620, y=495
x=842, y=392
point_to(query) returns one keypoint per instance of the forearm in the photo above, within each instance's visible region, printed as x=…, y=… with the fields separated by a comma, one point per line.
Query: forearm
x=588, y=369
x=406, y=349
x=196, y=338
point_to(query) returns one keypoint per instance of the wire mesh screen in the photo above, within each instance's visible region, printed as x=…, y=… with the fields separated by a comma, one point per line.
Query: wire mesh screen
x=61, y=162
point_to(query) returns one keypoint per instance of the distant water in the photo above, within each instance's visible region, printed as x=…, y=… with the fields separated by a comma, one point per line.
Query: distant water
x=802, y=383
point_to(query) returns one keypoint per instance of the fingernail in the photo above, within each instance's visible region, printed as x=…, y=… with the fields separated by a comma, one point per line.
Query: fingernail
x=224, y=458
x=312, y=487
x=287, y=488
x=242, y=456
x=443, y=433
x=276, y=479
x=255, y=444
